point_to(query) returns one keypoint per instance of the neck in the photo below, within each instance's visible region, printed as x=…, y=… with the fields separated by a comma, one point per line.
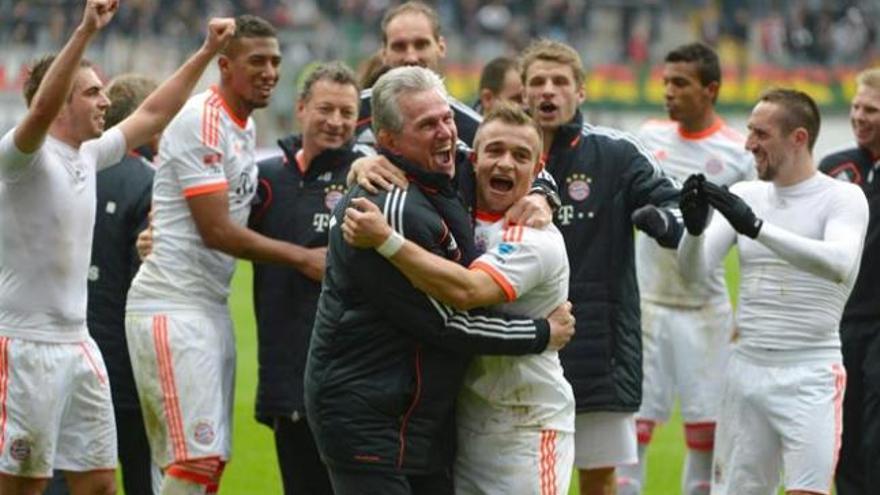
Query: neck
x=874, y=150
x=234, y=103
x=309, y=152
x=549, y=134
x=801, y=170
x=700, y=124
x=63, y=134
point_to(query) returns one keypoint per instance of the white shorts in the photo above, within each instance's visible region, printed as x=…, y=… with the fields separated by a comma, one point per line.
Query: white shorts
x=605, y=439
x=684, y=353
x=523, y=462
x=184, y=369
x=778, y=418
x=55, y=408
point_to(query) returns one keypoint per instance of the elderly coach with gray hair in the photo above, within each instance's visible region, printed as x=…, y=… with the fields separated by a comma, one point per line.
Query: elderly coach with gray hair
x=386, y=361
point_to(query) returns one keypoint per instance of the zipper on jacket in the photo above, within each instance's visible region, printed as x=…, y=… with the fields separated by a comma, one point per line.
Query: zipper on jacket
x=412, y=406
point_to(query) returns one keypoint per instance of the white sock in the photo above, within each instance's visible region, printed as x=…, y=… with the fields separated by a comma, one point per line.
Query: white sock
x=631, y=477
x=697, y=478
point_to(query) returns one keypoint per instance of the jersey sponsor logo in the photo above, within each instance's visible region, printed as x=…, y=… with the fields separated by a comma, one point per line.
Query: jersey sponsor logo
x=321, y=221
x=578, y=186
x=332, y=194
x=661, y=155
x=110, y=208
x=20, y=449
x=714, y=166
x=203, y=432
x=94, y=273
x=246, y=186
x=212, y=160
x=506, y=248
x=565, y=214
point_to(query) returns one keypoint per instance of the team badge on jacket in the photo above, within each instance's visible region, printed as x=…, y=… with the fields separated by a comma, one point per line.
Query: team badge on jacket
x=332, y=194
x=578, y=186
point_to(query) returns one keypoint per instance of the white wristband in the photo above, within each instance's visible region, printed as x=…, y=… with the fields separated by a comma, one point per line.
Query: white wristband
x=391, y=245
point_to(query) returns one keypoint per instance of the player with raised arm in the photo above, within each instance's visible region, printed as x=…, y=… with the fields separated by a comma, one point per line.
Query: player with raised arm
x=515, y=415
x=685, y=327
x=800, y=236
x=47, y=165
x=178, y=327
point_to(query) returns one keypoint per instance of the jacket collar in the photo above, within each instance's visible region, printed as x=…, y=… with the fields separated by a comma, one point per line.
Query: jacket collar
x=568, y=134
x=430, y=182
x=326, y=161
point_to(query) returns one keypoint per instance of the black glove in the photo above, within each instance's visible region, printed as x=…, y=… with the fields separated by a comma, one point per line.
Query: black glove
x=693, y=204
x=658, y=223
x=737, y=212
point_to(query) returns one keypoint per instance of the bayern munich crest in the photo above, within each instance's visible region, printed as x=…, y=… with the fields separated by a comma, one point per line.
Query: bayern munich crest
x=20, y=449
x=332, y=194
x=578, y=186
x=714, y=166
x=203, y=433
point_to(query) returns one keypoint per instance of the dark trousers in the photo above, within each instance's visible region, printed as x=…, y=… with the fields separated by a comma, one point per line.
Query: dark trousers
x=858, y=471
x=302, y=471
x=134, y=456
x=371, y=483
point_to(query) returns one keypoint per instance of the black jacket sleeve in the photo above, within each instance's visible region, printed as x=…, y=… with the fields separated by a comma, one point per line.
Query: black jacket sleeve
x=646, y=183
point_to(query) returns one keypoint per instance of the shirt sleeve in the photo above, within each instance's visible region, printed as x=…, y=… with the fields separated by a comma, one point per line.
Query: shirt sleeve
x=13, y=162
x=196, y=154
x=520, y=262
x=107, y=150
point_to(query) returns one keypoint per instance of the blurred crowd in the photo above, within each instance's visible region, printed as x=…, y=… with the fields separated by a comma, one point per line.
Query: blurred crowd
x=788, y=33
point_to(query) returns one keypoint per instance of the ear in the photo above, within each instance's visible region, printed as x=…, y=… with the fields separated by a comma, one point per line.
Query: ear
x=539, y=165
x=223, y=64
x=486, y=98
x=582, y=92
x=713, y=88
x=801, y=137
x=387, y=140
x=473, y=156
x=441, y=46
x=300, y=106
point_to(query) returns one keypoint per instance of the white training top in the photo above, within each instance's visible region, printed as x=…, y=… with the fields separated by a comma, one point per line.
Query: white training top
x=796, y=276
x=503, y=393
x=205, y=149
x=47, y=213
x=718, y=153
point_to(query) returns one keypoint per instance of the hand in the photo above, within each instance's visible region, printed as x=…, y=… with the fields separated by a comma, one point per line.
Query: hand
x=531, y=210
x=376, y=172
x=314, y=265
x=220, y=31
x=651, y=220
x=561, y=326
x=364, y=225
x=694, y=205
x=98, y=14
x=144, y=242
x=734, y=209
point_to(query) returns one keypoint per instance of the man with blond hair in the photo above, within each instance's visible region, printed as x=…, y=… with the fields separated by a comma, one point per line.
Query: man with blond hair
x=858, y=472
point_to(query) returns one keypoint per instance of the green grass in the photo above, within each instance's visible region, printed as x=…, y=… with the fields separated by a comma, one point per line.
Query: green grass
x=254, y=470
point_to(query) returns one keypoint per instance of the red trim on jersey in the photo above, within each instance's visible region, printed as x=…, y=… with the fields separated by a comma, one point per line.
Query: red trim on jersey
x=211, y=121
x=242, y=123
x=712, y=129
x=184, y=473
x=512, y=233
x=4, y=387
x=857, y=174
x=497, y=277
x=839, y=388
x=365, y=120
x=488, y=216
x=547, y=464
x=94, y=365
x=412, y=407
x=205, y=189
x=169, y=388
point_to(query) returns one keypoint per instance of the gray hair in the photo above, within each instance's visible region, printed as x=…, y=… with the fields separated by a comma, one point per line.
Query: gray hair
x=394, y=84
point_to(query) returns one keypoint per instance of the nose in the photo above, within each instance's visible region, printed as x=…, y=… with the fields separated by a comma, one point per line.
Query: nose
x=335, y=118
x=411, y=57
x=750, y=142
x=548, y=87
x=104, y=102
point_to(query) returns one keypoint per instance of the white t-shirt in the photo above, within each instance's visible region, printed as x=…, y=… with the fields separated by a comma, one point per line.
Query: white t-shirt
x=796, y=276
x=47, y=213
x=718, y=153
x=504, y=393
x=205, y=149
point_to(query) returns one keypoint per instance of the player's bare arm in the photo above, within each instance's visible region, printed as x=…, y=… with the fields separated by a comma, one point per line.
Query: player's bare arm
x=160, y=107
x=58, y=81
x=365, y=226
x=211, y=215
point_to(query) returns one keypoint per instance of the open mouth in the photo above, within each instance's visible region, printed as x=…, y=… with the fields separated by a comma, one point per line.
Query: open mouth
x=547, y=107
x=501, y=184
x=443, y=156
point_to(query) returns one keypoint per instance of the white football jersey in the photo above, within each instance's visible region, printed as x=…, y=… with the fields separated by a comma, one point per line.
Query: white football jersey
x=205, y=149
x=47, y=213
x=503, y=393
x=718, y=153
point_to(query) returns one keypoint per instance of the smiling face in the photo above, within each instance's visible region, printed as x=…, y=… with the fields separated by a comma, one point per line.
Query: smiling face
x=687, y=100
x=410, y=40
x=428, y=135
x=864, y=116
x=505, y=163
x=772, y=147
x=328, y=116
x=552, y=93
x=83, y=113
x=251, y=70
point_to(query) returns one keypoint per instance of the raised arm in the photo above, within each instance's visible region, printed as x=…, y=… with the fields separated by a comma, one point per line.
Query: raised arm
x=449, y=282
x=58, y=80
x=159, y=108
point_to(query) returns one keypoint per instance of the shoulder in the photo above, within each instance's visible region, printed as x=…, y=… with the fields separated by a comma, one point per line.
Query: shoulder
x=609, y=137
x=653, y=127
x=840, y=158
x=463, y=111
x=749, y=188
x=732, y=135
x=270, y=167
